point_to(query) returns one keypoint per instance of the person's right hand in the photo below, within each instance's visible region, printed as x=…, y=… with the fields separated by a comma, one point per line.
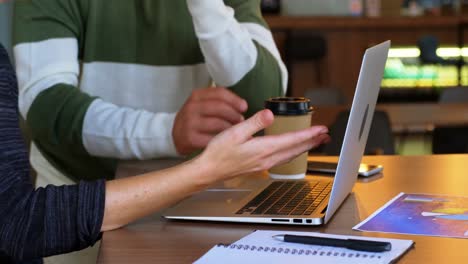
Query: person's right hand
x=206, y=113
x=235, y=152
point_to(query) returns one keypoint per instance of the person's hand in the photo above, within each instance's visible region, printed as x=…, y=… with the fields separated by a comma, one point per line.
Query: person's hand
x=206, y=113
x=235, y=151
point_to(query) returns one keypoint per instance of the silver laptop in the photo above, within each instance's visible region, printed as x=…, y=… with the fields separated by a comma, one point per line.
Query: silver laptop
x=311, y=201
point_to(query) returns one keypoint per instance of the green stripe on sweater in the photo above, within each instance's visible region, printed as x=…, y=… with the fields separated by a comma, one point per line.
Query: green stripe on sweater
x=38, y=20
x=261, y=83
x=57, y=115
x=247, y=11
x=150, y=32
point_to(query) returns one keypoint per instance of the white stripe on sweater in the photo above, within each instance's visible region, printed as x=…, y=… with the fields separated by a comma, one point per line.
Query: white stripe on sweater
x=265, y=39
x=124, y=133
x=41, y=65
x=227, y=44
x=152, y=88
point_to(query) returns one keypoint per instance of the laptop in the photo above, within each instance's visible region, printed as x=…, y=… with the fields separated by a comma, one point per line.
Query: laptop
x=311, y=201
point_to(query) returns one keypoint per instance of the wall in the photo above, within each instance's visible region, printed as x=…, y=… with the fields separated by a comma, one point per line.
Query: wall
x=391, y=8
x=5, y=25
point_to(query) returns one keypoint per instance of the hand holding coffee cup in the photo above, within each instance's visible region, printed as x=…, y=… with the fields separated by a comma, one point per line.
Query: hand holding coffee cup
x=291, y=114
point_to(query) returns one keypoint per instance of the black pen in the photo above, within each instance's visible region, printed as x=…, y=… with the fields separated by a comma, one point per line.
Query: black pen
x=354, y=244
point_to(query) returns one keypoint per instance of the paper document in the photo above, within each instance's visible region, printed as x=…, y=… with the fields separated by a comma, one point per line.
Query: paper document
x=421, y=214
x=260, y=247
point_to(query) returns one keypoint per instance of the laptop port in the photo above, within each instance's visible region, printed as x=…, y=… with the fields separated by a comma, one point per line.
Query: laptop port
x=297, y=221
x=308, y=221
x=280, y=220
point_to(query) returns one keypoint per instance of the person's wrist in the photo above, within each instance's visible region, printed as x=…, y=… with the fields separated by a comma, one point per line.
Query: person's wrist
x=206, y=172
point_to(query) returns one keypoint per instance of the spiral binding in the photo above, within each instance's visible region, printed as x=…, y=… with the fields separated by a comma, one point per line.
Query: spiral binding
x=294, y=251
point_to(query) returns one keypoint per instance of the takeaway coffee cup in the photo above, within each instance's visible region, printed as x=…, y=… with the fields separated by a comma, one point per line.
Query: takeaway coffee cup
x=291, y=113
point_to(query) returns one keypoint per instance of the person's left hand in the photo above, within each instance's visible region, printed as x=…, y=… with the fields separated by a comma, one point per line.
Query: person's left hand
x=235, y=152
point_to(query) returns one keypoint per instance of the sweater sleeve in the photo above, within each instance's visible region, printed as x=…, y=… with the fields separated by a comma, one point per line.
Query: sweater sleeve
x=46, y=221
x=239, y=49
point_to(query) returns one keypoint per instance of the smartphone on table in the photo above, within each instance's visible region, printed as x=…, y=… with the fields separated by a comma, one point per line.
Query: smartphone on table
x=365, y=170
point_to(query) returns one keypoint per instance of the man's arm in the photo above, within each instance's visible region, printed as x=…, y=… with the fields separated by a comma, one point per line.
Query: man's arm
x=239, y=49
x=48, y=37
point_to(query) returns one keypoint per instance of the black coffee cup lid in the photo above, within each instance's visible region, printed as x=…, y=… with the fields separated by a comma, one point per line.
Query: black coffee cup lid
x=289, y=105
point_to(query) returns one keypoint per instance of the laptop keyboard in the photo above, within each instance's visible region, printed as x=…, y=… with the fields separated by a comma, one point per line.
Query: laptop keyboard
x=288, y=198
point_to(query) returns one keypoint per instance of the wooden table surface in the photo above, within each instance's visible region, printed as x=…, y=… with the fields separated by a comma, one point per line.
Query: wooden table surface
x=417, y=117
x=155, y=240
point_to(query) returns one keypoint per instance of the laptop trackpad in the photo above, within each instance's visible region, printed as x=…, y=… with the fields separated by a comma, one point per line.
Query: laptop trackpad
x=218, y=195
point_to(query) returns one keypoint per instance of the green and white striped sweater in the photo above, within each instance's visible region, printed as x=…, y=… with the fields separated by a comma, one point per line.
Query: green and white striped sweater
x=102, y=80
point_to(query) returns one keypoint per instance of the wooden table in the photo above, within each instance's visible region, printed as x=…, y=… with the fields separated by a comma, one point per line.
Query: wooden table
x=415, y=117
x=155, y=240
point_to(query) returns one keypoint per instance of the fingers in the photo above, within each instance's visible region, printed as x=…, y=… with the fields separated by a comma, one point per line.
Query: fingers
x=236, y=150
x=283, y=156
x=221, y=109
x=286, y=155
x=199, y=141
x=213, y=125
x=285, y=141
x=206, y=112
x=244, y=131
x=221, y=94
x=280, y=148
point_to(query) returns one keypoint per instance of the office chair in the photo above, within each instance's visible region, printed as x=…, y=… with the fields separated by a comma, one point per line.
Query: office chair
x=305, y=46
x=451, y=139
x=454, y=95
x=428, y=45
x=379, y=142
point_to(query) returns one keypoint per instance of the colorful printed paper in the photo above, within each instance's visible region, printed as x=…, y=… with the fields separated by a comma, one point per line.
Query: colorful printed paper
x=421, y=214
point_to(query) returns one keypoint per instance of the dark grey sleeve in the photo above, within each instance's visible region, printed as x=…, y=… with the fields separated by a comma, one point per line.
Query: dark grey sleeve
x=50, y=221
x=46, y=221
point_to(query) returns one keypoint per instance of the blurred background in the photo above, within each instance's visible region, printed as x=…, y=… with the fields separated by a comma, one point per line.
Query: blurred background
x=424, y=95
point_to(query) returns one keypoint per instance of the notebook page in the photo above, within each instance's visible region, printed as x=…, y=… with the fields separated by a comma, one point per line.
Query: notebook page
x=260, y=247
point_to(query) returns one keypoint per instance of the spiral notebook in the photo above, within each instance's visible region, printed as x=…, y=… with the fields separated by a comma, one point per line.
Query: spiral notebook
x=260, y=247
